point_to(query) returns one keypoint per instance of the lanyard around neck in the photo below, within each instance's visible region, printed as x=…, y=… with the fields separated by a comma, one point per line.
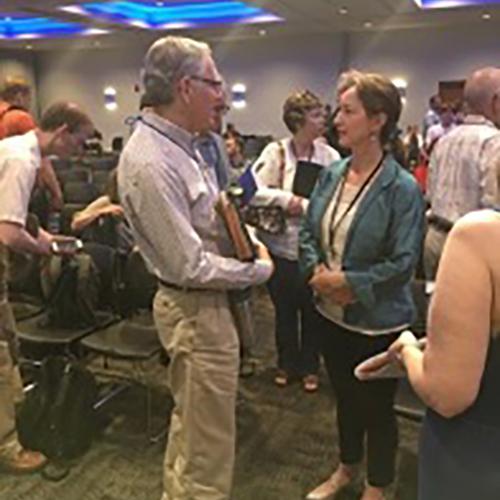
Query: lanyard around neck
x=334, y=225
x=167, y=136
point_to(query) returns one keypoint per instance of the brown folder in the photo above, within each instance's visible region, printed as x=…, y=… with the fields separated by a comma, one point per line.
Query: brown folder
x=237, y=231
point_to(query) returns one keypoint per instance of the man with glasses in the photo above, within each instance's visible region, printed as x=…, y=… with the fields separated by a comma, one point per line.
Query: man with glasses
x=168, y=194
x=462, y=174
x=62, y=131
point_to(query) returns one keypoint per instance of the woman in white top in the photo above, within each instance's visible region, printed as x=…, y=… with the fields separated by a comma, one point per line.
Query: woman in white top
x=304, y=116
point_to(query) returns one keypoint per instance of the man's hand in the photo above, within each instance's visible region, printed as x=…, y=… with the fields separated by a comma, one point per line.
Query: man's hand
x=263, y=253
x=294, y=207
x=44, y=241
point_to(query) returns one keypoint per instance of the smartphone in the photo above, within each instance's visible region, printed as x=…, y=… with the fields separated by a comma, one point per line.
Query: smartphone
x=66, y=246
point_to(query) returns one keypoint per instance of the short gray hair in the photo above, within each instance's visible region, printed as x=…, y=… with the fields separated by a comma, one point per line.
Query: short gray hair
x=480, y=88
x=167, y=61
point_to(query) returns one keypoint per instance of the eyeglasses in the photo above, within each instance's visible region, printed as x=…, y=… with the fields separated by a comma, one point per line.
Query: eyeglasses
x=215, y=84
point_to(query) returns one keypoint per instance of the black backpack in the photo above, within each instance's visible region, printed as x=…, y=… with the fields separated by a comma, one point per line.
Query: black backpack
x=57, y=416
x=71, y=287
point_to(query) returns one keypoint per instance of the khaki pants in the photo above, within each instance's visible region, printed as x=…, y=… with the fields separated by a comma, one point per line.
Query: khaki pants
x=10, y=380
x=197, y=330
x=433, y=248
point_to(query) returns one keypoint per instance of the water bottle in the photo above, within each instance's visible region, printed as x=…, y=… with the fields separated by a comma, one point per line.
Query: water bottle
x=54, y=223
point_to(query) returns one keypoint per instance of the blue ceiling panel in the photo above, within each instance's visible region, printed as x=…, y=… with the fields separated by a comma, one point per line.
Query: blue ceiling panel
x=17, y=26
x=449, y=4
x=159, y=15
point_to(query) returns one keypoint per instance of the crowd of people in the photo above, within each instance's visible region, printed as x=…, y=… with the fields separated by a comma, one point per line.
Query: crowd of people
x=339, y=273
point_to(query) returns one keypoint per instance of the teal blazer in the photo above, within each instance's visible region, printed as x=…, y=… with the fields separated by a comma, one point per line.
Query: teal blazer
x=382, y=247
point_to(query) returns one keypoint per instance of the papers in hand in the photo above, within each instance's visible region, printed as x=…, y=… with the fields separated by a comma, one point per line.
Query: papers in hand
x=382, y=365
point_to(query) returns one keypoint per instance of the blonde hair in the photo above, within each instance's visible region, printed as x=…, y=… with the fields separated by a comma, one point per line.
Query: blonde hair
x=13, y=86
x=296, y=106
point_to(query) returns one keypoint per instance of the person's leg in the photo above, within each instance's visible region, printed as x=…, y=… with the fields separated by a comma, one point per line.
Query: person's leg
x=198, y=332
x=338, y=352
x=282, y=290
x=241, y=308
x=12, y=456
x=309, y=349
x=377, y=402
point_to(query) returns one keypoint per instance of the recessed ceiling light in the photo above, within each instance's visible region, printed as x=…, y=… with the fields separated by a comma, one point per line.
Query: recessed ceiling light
x=343, y=11
x=368, y=24
x=262, y=32
x=29, y=47
x=486, y=16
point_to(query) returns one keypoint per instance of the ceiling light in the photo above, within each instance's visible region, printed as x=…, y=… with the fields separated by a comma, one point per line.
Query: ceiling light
x=28, y=27
x=262, y=32
x=399, y=82
x=160, y=15
x=450, y=4
x=343, y=11
x=29, y=47
x=368, y=24
x=486, y=16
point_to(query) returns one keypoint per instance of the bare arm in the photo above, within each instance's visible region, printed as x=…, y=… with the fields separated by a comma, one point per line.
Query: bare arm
x=15, y=237
x=448, y=373
x=93, y=211
x=49, y=180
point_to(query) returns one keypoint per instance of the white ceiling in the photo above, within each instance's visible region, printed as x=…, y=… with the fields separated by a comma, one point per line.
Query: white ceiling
x=302, y=16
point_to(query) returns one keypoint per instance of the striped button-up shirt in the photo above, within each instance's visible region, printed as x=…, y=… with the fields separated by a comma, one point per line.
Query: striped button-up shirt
x=462, y=175
x=168, y=195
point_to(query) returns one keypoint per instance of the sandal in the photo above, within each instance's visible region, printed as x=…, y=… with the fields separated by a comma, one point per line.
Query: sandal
x=310, y=383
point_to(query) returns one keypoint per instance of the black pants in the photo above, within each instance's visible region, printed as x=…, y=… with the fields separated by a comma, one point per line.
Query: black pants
x=363, y=408
x=292, y=299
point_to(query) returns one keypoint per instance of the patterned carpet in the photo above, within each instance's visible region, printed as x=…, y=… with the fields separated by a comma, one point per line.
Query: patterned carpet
x=286, y=443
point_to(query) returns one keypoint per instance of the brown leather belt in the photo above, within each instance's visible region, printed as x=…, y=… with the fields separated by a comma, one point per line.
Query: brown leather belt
x=180, y=288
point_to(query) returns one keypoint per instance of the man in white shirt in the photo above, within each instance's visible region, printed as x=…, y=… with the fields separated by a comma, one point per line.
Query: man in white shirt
x=462, y=174
x=168, y=194
x=63, y=130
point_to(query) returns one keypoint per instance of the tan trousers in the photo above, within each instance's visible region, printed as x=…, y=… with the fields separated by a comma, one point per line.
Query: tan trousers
x=10, y=380
x=197, y=330
x=433, y=248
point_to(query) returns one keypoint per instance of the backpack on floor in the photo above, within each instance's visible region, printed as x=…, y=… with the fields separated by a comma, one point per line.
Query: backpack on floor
x=57, y=416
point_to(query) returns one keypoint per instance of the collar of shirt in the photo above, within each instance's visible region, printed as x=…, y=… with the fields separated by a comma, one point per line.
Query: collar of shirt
x=478, y=120
x=176, y=134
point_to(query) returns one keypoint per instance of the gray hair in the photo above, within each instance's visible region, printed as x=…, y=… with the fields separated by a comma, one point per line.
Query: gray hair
x=167, y=61
x=480, y=88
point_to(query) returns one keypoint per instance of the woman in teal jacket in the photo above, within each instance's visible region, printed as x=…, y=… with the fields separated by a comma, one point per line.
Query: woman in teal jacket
x=359, y=245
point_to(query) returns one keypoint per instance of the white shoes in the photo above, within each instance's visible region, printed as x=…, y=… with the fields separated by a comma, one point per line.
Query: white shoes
x=328, y=489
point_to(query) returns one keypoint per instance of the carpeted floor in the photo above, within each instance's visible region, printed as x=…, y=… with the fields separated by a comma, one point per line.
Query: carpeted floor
x=286, y=444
